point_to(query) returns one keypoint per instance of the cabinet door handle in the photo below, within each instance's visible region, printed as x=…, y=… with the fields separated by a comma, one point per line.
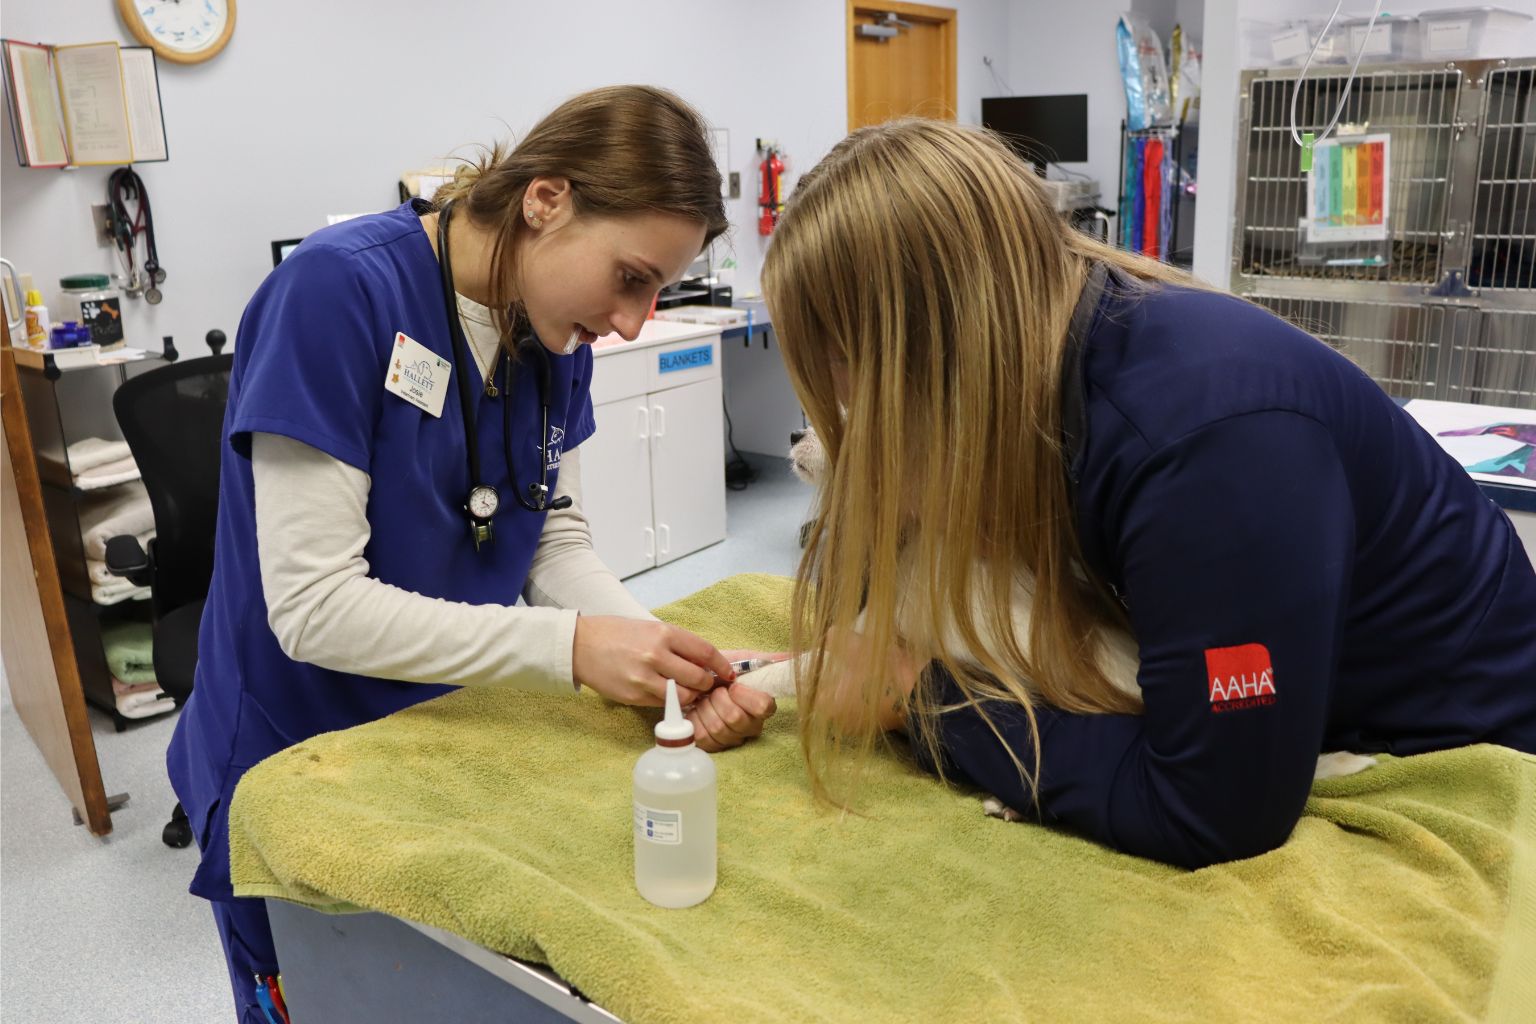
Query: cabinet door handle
x=645, y=422
x=660, y=412
x=666, y=538
x=650, y=543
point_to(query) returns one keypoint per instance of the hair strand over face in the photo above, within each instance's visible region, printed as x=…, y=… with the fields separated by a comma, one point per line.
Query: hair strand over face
x=921, y=262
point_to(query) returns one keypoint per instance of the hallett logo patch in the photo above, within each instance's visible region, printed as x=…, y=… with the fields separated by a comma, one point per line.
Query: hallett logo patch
x=1240, y=677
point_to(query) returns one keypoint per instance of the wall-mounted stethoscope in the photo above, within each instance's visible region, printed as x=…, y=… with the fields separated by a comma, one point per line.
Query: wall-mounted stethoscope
x=123, y=185
x=483, y=500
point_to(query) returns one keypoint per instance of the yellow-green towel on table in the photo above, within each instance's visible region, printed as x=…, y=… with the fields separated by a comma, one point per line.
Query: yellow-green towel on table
x=1406, y=893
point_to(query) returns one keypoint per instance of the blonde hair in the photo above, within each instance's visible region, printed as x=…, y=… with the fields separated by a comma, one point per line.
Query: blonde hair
x=923, y=260
x=624, y=149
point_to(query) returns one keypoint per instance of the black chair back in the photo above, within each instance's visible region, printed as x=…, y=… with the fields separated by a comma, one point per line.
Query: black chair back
x=173, y=420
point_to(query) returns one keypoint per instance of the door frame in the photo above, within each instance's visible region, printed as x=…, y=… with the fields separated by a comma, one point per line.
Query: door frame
x=944, y=16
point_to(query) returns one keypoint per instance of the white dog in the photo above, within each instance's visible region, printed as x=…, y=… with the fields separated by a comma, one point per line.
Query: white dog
x=1118, y=655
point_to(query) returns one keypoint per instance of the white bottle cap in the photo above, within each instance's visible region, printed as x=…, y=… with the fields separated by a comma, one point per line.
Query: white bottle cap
x=674, y=730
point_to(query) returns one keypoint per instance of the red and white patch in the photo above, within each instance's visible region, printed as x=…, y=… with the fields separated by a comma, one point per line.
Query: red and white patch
x=1240, y=677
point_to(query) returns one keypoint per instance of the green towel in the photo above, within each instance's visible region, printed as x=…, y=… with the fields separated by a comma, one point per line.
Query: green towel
x=1406, y=893
x=130, y=650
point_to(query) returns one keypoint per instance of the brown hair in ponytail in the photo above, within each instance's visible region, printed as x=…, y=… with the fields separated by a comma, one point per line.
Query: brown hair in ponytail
x=624, y=149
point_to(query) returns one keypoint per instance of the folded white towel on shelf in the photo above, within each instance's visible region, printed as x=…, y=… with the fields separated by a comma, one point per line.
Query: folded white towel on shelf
x=95, y=451
x=144, y=705
x=123, y=510
x=100, y=575
x=117, y=592
x=107, y=475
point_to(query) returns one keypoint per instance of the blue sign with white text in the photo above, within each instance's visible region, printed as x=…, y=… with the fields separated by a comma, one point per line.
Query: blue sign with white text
x=686, y=359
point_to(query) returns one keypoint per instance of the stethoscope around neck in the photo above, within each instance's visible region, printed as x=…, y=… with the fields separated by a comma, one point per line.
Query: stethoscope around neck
x=483, y=501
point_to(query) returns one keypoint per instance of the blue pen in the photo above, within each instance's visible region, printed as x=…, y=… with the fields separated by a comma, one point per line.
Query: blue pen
x=265, y=1002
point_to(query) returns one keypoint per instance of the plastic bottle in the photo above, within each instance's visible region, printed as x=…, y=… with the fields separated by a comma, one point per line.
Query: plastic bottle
x=674, y=815
x=37, y=320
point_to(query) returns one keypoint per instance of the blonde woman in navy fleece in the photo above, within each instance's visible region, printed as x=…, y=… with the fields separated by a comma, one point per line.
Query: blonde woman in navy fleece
x=1300, y=565
x=373, y=542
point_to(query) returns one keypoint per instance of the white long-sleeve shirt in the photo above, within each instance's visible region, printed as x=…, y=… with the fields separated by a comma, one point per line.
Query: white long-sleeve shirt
x=311, y=531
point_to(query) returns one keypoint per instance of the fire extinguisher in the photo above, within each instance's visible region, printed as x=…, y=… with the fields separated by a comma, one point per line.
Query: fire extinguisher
x=770, y=198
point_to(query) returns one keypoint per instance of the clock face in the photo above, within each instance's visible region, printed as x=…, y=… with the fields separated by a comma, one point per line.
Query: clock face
x=483, y=502
x=185, y=26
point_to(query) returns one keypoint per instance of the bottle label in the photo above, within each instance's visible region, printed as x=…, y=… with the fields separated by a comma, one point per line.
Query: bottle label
x=655, y=826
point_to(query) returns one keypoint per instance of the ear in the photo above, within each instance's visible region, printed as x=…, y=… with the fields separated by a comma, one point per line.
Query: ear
x=547, y=200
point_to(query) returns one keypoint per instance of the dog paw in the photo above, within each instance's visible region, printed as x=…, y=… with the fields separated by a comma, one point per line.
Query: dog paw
x=1342, y=762
x=992, y=807
x=776, y=680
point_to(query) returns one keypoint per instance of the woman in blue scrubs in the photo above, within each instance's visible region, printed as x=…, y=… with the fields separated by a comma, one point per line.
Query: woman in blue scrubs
x=410, y=391
x=1007, y=401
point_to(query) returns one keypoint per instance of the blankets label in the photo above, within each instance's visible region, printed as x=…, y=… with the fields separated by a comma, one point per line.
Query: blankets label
x=1240, y=677
x=658, y=826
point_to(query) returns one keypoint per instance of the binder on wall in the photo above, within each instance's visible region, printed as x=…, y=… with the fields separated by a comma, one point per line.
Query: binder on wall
x=83, y=105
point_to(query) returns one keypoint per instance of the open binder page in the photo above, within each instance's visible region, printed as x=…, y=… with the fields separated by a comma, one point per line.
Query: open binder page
x=95, y=110
x=141, y=84
x=35, y=106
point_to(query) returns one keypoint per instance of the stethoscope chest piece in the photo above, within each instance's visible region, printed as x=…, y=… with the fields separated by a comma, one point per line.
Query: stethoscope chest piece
x=483, y=501
x=481, y=505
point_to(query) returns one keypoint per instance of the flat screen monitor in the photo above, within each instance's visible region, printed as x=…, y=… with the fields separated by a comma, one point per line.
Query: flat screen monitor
x=282, y=247
x=1041, y=129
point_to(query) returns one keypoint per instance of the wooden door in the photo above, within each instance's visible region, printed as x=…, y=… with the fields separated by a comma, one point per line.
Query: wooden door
x=911, y=73
x=39, y=653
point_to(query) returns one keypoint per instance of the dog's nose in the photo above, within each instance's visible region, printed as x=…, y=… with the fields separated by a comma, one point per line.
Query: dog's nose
x=795, y=436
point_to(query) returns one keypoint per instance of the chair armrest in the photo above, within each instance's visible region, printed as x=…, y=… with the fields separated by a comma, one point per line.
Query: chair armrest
x=126, y=558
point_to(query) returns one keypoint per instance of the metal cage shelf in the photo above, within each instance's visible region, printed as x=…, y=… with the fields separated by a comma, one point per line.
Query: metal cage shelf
x=1449, y=310
x=1419, y=108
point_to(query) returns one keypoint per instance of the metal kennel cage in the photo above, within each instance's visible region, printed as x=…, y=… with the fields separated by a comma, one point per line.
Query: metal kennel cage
x=1445, y=306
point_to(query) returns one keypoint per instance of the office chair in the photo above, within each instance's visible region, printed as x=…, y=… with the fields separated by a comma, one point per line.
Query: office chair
x=173, y=420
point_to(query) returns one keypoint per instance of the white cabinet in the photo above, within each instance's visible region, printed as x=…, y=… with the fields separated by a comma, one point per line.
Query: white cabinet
x=616, y=487
x=687, y=469
x=653, y=476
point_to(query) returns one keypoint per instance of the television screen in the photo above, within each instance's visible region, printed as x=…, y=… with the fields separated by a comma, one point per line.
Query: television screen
x=1041, y=129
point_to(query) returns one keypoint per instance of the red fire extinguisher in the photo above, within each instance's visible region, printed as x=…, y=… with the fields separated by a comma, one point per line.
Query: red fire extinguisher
x=770, y=199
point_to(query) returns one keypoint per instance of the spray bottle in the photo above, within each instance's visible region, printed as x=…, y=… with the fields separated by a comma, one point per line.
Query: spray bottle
x=674, y=814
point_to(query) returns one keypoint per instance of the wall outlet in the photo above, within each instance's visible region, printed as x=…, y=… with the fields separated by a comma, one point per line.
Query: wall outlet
x=101, y=216
x=735, y=183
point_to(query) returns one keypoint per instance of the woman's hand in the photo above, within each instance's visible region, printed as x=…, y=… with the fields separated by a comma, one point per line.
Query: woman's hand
x=630, y=660
x=728, y=716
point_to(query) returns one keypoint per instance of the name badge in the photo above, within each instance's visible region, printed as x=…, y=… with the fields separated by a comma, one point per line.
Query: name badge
x=418, y=375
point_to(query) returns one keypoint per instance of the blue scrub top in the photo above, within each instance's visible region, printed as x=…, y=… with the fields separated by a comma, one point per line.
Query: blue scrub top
x=311, y=357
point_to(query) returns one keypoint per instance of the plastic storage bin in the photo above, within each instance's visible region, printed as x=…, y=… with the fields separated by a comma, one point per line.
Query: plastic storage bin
x=1393, y=38
x=1452, y=33
x=1268, y=44
x=1333, y=47
x=1256, y=42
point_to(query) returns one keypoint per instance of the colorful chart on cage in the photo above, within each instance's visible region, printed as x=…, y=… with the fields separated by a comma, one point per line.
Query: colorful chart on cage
x=1349, y=189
